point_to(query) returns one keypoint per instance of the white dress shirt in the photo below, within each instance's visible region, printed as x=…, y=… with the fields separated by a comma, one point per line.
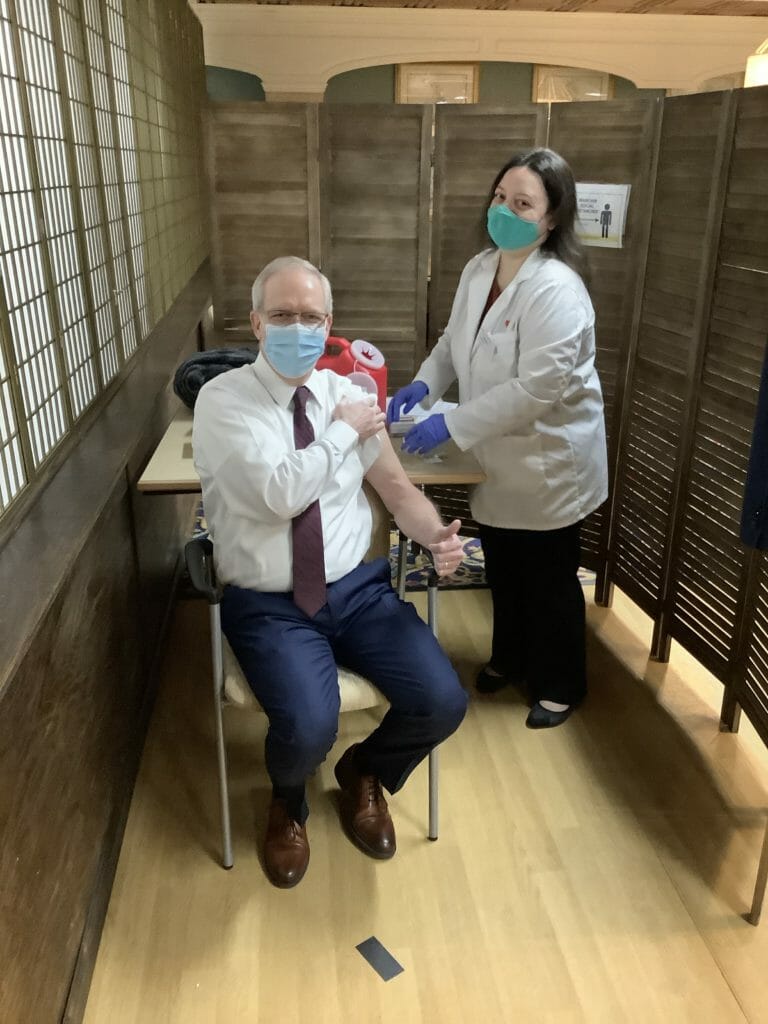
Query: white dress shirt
x=530, y=404
x=255, y=481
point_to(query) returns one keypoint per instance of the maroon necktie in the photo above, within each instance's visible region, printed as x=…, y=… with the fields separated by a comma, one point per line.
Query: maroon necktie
x=308, y=551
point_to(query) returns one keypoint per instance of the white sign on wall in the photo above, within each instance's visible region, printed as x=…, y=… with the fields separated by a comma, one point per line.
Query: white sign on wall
x=601, y=214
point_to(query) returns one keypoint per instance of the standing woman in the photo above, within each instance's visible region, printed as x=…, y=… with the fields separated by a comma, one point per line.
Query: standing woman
x=521, y=341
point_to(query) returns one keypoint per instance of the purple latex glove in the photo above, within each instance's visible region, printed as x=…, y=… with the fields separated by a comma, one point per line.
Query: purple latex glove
x=426, y=435
x=404, y=400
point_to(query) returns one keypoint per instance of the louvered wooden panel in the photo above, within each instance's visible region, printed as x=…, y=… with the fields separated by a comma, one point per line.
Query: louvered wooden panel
x=471, y=144
x=593, y=543
x=375, y=227
x=260, y=205
x=687, y=172
x=610, y=142
x=645, y=484
x=710, y=567
x=745, y=226
x=709, y=572
x=741, y=318
x=615, y=143
x=752, y=691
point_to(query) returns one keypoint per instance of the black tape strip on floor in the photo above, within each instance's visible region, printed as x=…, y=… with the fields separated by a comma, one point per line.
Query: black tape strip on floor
x=380, y=959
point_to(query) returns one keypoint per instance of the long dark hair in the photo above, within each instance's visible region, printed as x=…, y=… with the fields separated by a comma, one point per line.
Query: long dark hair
x=557, y=178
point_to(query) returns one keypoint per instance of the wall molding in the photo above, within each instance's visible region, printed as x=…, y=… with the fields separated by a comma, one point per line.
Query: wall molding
x=295, y=50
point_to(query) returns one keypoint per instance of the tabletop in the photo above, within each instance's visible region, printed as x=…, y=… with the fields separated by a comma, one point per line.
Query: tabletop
x=171, y=469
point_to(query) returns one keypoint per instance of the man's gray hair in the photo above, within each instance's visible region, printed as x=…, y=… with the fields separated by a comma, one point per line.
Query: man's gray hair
x=285, y=263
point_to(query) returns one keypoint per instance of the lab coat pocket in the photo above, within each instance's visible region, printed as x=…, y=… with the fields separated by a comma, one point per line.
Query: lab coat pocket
x=515, y=463
x=506, y=349
x=494, y=359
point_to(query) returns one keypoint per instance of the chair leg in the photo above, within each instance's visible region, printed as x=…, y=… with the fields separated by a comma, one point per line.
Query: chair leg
x=402, y=564
x=433, y=801
x=221, y=750
x=433, y=755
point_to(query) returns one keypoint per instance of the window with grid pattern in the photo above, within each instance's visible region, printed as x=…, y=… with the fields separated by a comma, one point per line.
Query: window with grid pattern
x=101, y=85
x=58, y=204
x=28, y=310
x=13, y=472
x=101, y=216
x=128, y=164
x=143, y=55
x=90, y=196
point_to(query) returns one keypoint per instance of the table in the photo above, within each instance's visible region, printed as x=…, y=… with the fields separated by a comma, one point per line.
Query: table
x=171, y=470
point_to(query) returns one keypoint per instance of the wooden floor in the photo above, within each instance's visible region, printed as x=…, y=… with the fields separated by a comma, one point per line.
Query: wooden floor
x=596, y=872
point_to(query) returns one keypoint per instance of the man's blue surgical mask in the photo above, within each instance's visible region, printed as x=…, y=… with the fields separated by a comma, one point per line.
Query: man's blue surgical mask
x=509, y=231
x=294, y=349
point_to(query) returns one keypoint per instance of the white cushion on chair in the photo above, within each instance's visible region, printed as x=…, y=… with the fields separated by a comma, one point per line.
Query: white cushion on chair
x=356, y=692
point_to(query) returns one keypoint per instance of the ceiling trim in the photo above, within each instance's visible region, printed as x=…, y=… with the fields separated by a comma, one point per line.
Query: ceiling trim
x=686, y=8
x=297, y=49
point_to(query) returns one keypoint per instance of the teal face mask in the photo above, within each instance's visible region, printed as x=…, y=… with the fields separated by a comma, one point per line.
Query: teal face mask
x=509, y=231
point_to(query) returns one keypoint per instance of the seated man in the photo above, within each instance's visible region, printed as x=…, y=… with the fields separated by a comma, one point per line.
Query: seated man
x=282, y=450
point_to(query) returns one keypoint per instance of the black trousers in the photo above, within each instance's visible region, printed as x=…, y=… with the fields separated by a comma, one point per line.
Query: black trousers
x=538, y=609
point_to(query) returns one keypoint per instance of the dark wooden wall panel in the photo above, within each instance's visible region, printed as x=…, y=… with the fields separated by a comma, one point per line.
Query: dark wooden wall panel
x=85, y=585
x=64, y=749
x=616, y=143
x=374, y=189
x=161, y=523
x=745, y=227
x=258, y=169
x=712, y=593
x=472, y=143
x=669, y=332
x=750, y=687
x=710, y=564
x=682, y=318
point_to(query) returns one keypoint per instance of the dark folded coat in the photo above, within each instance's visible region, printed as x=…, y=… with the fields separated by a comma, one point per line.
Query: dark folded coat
x=204, y=366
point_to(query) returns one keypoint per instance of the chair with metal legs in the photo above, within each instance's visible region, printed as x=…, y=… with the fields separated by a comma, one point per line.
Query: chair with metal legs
x=231, y=689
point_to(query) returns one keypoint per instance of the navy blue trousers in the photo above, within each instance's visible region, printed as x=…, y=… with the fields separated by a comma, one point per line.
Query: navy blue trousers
x=290, y=662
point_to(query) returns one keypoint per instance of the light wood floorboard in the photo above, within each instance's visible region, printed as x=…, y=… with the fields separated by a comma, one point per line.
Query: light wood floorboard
x=592, y=873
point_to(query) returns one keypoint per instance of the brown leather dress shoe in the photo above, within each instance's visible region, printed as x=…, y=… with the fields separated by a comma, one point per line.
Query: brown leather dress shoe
x=364, y=811
x=286, y=847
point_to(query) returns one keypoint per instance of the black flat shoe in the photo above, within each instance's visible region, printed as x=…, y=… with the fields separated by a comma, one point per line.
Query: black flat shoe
x=542, y=718
x=487, y=683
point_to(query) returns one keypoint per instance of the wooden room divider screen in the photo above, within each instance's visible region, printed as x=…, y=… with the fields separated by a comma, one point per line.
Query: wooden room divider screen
x=345, y=187
x=682, y=309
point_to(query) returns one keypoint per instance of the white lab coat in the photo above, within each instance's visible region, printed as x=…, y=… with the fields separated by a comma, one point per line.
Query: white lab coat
x=530, y=404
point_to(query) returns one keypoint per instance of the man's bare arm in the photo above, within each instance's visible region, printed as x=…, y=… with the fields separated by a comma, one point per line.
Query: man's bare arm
x=414, y=514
